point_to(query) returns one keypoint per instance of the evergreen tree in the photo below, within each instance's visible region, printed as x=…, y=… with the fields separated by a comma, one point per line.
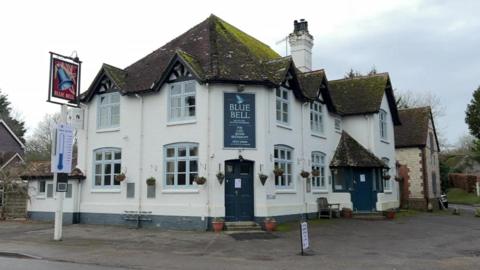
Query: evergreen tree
x=472, y=117
x=6, y=114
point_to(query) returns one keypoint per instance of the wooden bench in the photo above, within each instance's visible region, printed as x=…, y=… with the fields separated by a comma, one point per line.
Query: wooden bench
x=330, y=208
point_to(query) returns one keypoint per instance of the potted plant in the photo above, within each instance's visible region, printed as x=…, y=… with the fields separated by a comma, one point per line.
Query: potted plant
x=200, y=180
x=217, y=224
x=270, y=224
x=316, y=173
x=120, y=177
x=263, y=178
x=220, y=177
x=278, y=171
x=390, y=214
x=386, y=176
x=151, y=181
x=398, y=178
x=305, y=174
x=347, y=213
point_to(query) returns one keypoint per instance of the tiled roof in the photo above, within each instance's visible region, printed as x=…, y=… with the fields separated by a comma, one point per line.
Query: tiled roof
x=41, y=170
x=350, y=153
x=413, y=131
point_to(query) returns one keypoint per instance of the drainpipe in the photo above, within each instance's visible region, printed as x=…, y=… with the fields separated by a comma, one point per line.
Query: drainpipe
x=208, y=157
x=303, y=163
x=86, y=153
x=140, y=160
x=425, y=177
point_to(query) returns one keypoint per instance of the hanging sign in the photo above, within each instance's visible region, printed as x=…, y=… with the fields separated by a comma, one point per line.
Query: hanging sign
x=75, y=118
x=62, y=149
x=64, y=86
x=239, y=120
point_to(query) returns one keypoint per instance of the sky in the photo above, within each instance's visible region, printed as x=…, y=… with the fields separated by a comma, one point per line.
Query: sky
x=426, y=46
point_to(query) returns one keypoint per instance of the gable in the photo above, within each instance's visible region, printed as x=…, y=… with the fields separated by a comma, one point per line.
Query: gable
x=104, y=82
x=414, y=130
x=9, y=142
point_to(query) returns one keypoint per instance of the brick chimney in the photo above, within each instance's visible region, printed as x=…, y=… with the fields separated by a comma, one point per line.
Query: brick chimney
x=301, y=43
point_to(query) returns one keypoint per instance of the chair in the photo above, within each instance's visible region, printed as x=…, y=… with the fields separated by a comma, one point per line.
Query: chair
x=324, y=206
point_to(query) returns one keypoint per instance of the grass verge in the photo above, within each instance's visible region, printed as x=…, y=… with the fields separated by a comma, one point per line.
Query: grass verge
x=456, y=195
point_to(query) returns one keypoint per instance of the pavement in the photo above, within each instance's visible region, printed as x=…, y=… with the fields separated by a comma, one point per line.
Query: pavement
x=424, y=241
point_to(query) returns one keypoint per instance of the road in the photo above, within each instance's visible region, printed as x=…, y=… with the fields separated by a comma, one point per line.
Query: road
x=30, y=264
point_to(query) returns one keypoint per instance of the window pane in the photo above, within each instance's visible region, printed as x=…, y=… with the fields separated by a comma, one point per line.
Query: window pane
x=192, y=178
x=98, y=156
x=176, y=89
x=98, y=169
x=244, y=168
x=191, y=111
x=115, y=98
x=98, y=180
x=107, y=180
x=193, y=151
x=108, y=155
x=289, y=155
x=170, y=179
x=277, y=92
x=117, y=168
x=181, y=179
x=182, y=166
x=42, y=187
x=170, y=152
x=170, y=166
x=108, y=169
x=193, y=166
x=182, y=151
x=285, y=94
x=115, y=114
x=118, y=155
x=282, y=154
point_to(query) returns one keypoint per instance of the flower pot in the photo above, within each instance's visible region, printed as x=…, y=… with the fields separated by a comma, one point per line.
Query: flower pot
x=386, y=177
x=305, y=174
x=151, y=181
x=390, y=214
x=263, y=178
x=200, y=180
x=220, y=177
x=120, y=177
x=270, y=225
x=217, y=226
x=347, y=213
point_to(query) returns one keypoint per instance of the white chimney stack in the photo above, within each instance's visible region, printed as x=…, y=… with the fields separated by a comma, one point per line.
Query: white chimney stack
x=301, y=43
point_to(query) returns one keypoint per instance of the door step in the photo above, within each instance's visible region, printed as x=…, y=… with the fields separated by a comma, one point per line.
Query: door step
x=243, y=226
x=369, y=216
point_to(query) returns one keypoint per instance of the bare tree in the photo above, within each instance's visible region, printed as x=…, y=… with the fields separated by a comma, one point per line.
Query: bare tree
x=39, y=144
x=13, y=191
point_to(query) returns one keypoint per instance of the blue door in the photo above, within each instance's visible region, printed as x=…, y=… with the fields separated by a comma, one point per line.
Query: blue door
x=363, y=195
x=238, y=190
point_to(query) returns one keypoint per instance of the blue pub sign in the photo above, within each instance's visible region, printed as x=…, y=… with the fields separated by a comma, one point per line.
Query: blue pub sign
x=238, y=120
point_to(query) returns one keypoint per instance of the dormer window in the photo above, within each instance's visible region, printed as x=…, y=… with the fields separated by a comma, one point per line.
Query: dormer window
x=282, y=105
x=383, y=125
x=108, y=111
x=316, y=117
x=182, y=101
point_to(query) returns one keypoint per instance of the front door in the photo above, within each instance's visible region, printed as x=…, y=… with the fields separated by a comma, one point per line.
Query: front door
x=363, y=195
x=238, y=190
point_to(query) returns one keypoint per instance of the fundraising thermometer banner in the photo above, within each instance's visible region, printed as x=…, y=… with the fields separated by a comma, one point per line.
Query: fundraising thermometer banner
x=239, y=120
x=62, y=149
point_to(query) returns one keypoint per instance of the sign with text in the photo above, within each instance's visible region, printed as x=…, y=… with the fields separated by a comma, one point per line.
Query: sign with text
x=239, y=120
x=62, y=149
x=304, y=235
x=64, y=84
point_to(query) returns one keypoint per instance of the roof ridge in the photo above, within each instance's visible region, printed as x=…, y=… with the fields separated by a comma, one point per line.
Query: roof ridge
x=416, y=108
x=382, y=74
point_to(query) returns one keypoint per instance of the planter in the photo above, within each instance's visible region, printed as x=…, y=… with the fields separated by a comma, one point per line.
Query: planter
x=386, y=177
x=200, y=180
x=398, y=178
x=270, y=224
x=120, y=177
x=220, y=177
x=346, y=213
x=217, y=224
x=305, y=174
x=263, y=178
x=278, y=172
x=151, y=181
x=315, y=173
x=390, y=214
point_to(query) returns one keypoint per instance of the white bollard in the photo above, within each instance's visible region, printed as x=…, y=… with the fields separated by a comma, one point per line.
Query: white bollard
x=478, y=189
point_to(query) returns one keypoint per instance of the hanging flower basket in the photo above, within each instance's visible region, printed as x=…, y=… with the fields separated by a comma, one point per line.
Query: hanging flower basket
x=386, y=177
x=120, y=177
x=151, y=181
x=316, y=173
x=263, y=178
x=278, y=171
x=220, y=177
x=305, y=174
x=398, y=178
x=200, y=180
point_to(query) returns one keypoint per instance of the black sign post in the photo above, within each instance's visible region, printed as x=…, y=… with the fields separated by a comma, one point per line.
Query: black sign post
x=62, y=182
x=239, y=120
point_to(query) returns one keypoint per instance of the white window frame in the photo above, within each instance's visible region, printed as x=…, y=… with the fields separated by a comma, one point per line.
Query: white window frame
x=316, y=118
x=114, y=162
x=382, y=118
x=318, y=163
x=284, y=161
x=176, y=158
x=337, y=120
x=110, y=109
x=39, y=192
x=280, y=102
x=183, y=107
x=387, y=184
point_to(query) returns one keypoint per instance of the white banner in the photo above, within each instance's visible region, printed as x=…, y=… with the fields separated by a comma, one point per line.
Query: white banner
x=62, y=149
x=305, y=243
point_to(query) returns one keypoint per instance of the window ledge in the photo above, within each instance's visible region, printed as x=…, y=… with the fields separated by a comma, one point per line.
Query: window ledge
x=104, y=130
x=384, y=141
x=388, y=191
x=318, y=191
x=284, y=126
x=285, y=191
x=181, y=122
x=180, y=191
x=100, y=190
x=40, y=197
x=321, y=136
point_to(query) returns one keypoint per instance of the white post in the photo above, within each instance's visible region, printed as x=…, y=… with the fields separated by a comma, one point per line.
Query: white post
x=478, y=188
x=57, y=236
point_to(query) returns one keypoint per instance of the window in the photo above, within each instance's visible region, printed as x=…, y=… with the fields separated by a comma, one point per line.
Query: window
x=387, y=183
x=338, y=124
x=107, y=165
x=282, y=105
x=41, y=188
x=339, y=179
x=181, y=165
x=316, y=117
x=151, y=191
x=318, y=165
x=49, y=190
x=383, y=125
x=108, y=111
x=283, y=159
x=69, y=192
x=130, y=190
x=181, y=105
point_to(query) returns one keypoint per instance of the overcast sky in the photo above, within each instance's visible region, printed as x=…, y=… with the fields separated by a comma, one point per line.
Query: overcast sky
x=424, y=45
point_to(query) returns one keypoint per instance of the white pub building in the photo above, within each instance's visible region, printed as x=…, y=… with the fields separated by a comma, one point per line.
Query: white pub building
x=216, y=105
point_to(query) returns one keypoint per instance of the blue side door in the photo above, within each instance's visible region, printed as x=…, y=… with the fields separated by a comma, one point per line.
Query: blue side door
x=238, y=190
x=364, y=198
